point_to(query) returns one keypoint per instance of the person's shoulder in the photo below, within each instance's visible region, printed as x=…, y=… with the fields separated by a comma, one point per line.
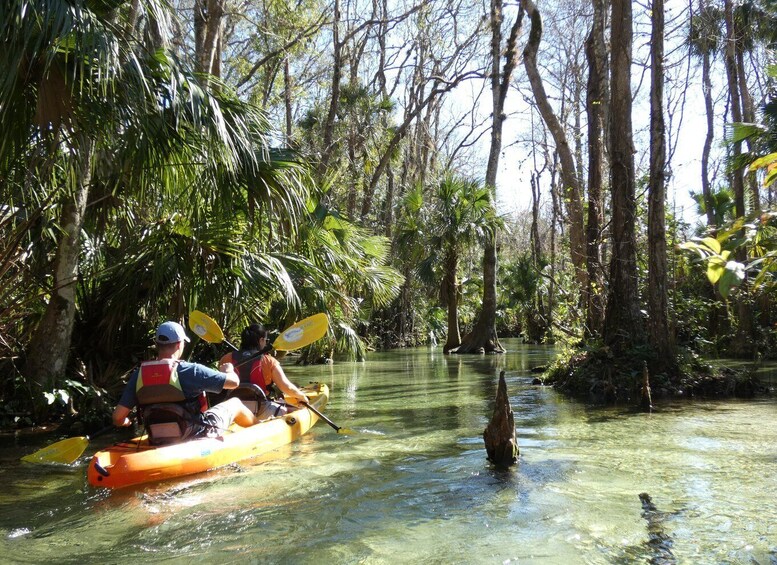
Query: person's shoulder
x=195, y=367
x=133, y=374
x=226, y=358
x=270, y=360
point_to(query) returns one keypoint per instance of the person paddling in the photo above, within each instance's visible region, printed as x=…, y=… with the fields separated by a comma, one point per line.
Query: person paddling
x=170, y=394
x=256, y=366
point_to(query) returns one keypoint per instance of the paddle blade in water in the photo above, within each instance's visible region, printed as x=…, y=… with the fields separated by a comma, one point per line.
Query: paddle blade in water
x=205, y=327
x=302, y=333
x=65, y=451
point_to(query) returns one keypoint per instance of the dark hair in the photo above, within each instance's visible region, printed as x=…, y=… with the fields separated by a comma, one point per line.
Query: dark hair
x=250, y=337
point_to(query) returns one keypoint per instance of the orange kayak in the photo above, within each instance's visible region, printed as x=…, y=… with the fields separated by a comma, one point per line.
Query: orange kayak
x=135, y=462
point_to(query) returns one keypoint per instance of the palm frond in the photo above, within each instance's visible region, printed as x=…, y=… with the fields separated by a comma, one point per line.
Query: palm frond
x=348, y=341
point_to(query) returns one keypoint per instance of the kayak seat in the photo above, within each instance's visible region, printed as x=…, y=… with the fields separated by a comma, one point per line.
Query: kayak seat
x=249, y=394
x=165, y=423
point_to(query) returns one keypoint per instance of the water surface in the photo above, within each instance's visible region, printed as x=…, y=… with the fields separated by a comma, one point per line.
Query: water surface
x=413, y=486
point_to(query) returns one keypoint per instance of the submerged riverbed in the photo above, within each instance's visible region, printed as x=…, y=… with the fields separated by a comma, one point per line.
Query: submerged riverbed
x=413, y=485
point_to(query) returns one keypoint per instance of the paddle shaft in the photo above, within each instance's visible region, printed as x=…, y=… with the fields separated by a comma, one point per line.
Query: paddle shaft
x=253, y=357
x=299, y=326
x=101, y=432
x=320, y=415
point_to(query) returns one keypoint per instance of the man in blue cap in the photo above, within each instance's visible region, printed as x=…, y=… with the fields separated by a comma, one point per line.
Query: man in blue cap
x=170, y=394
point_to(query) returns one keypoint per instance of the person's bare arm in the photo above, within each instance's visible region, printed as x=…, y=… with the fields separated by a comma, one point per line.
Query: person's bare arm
x=121, y=416
x=233, y=379
x=287, y=387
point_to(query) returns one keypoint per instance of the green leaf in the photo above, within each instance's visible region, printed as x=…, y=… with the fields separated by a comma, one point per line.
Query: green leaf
x=770, y=177
x=715, y=268
x=77, y=386
x=740, y=131
x=332, y=223
x=725, y=286
x=764, y=161
x=693, y=246
x=712, y=243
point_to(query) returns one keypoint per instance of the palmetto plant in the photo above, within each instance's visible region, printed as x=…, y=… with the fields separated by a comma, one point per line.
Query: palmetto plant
x=154, y=186
x=340, y=267
x=462, y=215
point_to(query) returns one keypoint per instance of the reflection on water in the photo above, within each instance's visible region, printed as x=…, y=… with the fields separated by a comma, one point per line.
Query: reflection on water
x=414, y=486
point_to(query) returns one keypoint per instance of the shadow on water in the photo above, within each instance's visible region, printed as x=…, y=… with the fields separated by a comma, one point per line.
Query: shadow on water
x=36, y=484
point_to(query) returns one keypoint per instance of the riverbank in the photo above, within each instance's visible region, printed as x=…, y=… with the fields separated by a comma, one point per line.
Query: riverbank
x=601, y=377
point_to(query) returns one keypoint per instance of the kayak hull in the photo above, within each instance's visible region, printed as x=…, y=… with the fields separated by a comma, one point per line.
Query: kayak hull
x=136, y=462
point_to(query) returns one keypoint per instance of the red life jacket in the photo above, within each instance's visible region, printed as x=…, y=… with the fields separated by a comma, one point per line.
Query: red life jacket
x=250, y=372
x=158, y=384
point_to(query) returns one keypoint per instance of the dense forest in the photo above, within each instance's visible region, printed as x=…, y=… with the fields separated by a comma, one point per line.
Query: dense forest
x=268, y=161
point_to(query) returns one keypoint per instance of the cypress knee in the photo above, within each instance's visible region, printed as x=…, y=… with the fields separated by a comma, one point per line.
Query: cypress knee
x=647, y=399
x=499, y=435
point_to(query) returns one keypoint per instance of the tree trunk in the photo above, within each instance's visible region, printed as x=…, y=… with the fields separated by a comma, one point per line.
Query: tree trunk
x=737, y=181
x=743, y=344
x=570, y=178
x=388, y=204
x=658, y=309
x=748, y=116
x=406, y=307
x=49, y=349
x=483, y=336
x=132, y=18
x=534, y=237
x=354, y=177
x=208, y=17
x=554, y=222
x=595, y=50
x=537, y=319
x=623, y=326
x=287, y=86
x=380, y=75
x=334, y=102
x=452, y=298
x=706, y=185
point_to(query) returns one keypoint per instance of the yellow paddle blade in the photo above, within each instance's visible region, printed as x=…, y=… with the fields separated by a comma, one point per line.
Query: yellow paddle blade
x=65, y=451
x=302, y=333
x=205, y=327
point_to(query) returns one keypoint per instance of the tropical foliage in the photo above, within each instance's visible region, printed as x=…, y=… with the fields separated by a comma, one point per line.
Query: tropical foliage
x=461, y=214
x=273, y=161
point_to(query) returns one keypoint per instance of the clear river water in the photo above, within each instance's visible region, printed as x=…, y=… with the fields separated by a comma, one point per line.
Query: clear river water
x=412, y=484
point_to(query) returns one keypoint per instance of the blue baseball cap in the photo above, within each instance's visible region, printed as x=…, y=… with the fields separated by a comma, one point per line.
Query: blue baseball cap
x=170, y=332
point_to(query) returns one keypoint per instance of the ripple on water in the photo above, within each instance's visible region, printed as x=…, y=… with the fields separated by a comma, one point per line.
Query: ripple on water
x=423, y=492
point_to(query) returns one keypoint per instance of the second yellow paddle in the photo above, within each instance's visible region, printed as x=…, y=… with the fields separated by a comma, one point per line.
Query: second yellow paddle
x=207, y=328
x=65, y=451
x=302, y=333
